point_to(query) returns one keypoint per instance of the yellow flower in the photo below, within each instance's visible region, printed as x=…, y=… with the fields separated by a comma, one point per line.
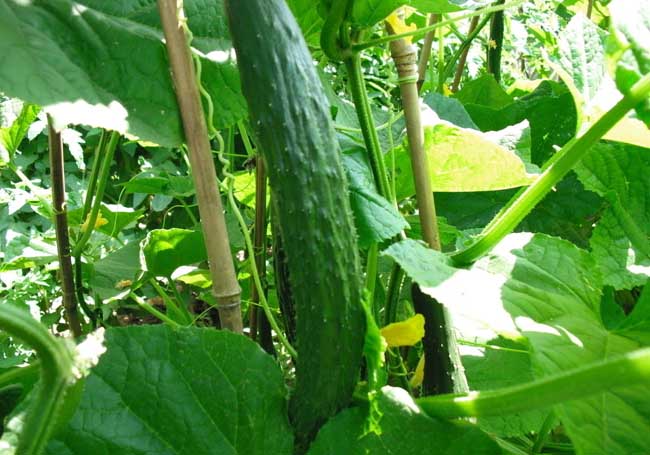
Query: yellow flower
x=99, y=222
x=405, y=333
x=398, y=25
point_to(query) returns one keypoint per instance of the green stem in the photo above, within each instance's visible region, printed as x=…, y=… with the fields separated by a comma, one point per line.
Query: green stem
x=461, y=53
x=442, y=77
x=182, y=317
x=554, y=171
x=362, y=105
x=544, y=432
x=56, y=376
x=371, y=272
x=392, y=295
x=329, y=38
x=230, y=179
x=19, y=375
x=622, y=371
x=94, y=173
x=422, y=31
x=154, y=312
x=104, y=172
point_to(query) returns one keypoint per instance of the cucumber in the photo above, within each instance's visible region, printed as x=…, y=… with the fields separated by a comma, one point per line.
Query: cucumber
x=295, y=134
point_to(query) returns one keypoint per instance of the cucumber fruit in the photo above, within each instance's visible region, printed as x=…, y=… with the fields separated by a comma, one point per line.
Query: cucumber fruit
x=294, y=131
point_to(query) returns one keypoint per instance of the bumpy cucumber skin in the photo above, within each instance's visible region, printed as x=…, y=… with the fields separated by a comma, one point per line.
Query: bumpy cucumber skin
x=294, y=131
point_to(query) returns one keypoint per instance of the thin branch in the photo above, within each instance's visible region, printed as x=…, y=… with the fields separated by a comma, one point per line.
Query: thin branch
x=463, y=56
x=426, y=50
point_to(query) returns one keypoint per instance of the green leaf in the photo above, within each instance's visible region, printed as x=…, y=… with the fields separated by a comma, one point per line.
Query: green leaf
x=308, y=19
x=110, y=275
x=115, y=73
x=621, y=174
x=186, y=391
x=404, y=429
x=582, y=59
x=464, y=160
x=117, y=217
x=449, y=109
x=628, y=50
x=549, y=109
x=375, y=218
x=502, y=363
x=547, y=291
x=165, y=250
x=15, y=119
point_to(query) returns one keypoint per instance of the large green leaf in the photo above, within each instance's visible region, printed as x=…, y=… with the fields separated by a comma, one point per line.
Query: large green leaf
x=464, y=160
x=568, y=211
x=621, y=174
x=165, y=250
x=548, y=291
x=549, y=109
x=403, y=429
x=628, y=48
x=104, y=68
x=186, y=391
x=375, y=218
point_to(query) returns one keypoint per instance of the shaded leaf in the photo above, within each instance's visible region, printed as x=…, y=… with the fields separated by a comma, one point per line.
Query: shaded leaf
x=403, y=428
x=185, y=391
x=114, y=74
x=620, y=242
x=375, y=218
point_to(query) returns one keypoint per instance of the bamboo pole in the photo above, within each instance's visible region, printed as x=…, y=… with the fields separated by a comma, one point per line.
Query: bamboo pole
x=443, y=369
x=61, y=228
x=224, y=280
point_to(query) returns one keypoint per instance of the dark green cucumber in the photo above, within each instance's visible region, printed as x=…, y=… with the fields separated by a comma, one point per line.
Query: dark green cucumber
x=294, y=131
x=495, y=43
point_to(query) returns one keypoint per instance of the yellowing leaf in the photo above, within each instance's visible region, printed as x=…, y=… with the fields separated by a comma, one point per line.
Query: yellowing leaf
x=99, y=222
x=418, y=376
x=396, y=23
x=405, y=333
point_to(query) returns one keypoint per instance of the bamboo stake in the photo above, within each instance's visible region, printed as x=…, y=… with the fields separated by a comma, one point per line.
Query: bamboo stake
x=443, y=369
x=224, y=280
x=61, y=228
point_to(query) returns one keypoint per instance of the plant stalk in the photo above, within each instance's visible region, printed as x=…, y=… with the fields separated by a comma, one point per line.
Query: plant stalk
x=224, y=280
x=56, y=376
x=426, y=51
x=623, y=371
x=370, y=137
x=555, y=169
x=89, y=223
x=424, y=30
x=462, y=59
x=262, y=326
x=61, y=228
